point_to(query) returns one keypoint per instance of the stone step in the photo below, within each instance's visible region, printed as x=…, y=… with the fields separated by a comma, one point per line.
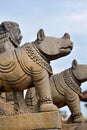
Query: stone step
x=75, y=126
x=43, y=120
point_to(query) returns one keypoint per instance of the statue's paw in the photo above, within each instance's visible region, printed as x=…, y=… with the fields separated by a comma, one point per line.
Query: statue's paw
x=79, y=120
x=48, y=107
x=75, y=119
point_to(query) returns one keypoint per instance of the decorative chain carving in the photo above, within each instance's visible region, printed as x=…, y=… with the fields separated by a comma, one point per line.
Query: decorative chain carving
x=70, y=82
x=36, y=57
x=46, y=100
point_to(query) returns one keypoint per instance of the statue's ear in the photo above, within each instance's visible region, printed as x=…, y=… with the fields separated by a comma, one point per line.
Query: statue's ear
x=40, y=35
x=6, y=25
x=74, y=64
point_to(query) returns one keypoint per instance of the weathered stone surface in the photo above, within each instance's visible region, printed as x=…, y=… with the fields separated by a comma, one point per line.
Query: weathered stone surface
x=45, y=120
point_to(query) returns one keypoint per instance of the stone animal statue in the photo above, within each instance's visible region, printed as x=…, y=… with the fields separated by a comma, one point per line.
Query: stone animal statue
x=65, y=90
x=28, y=66
x=10, y=38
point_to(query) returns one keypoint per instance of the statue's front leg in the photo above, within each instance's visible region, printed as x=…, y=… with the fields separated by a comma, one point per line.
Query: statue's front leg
x=41, y=82
x=73, y=103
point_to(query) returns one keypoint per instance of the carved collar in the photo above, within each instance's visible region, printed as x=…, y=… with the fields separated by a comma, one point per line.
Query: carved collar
x=71, y=82
x=34, y=54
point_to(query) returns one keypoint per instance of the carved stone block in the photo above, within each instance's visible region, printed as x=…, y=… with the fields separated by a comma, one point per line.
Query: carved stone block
x=75, y=126
x=44, y=120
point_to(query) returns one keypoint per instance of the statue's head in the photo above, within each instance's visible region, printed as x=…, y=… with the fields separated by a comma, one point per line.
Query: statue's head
x=79, y=71
x=12, y=30
x=53, y=47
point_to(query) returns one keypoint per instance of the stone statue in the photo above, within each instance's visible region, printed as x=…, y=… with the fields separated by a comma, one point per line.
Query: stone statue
x=10, y=38
x=65, y=90
x=29, y=66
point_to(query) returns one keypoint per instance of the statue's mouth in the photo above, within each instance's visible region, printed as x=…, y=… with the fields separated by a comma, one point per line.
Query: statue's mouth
x=68, y=47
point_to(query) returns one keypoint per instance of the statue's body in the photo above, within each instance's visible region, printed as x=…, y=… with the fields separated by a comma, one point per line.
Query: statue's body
x=28, y=66
x=65, y=90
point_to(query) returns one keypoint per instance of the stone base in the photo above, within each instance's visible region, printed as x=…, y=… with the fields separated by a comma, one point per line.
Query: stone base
x=44, y=120
x=73, y=126
x=69, y=126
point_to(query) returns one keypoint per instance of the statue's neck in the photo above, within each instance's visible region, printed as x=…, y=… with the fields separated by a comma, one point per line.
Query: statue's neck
x=74, y=78
x=40, y=53
x=71, y=81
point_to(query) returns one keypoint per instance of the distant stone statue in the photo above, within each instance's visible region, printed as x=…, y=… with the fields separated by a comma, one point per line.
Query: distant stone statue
x=29, y=66
x=65, y=90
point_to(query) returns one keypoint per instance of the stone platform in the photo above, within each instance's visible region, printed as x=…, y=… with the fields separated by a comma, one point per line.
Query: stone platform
x=73, y=126
x=69, y=126
x=44, y=120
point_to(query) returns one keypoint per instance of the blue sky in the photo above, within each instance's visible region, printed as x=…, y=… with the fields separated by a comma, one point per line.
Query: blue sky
x=56, y=17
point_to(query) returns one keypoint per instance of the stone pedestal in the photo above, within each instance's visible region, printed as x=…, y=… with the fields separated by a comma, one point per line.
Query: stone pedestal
x=75, y=126
x=69, y=126
x=44, y=120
